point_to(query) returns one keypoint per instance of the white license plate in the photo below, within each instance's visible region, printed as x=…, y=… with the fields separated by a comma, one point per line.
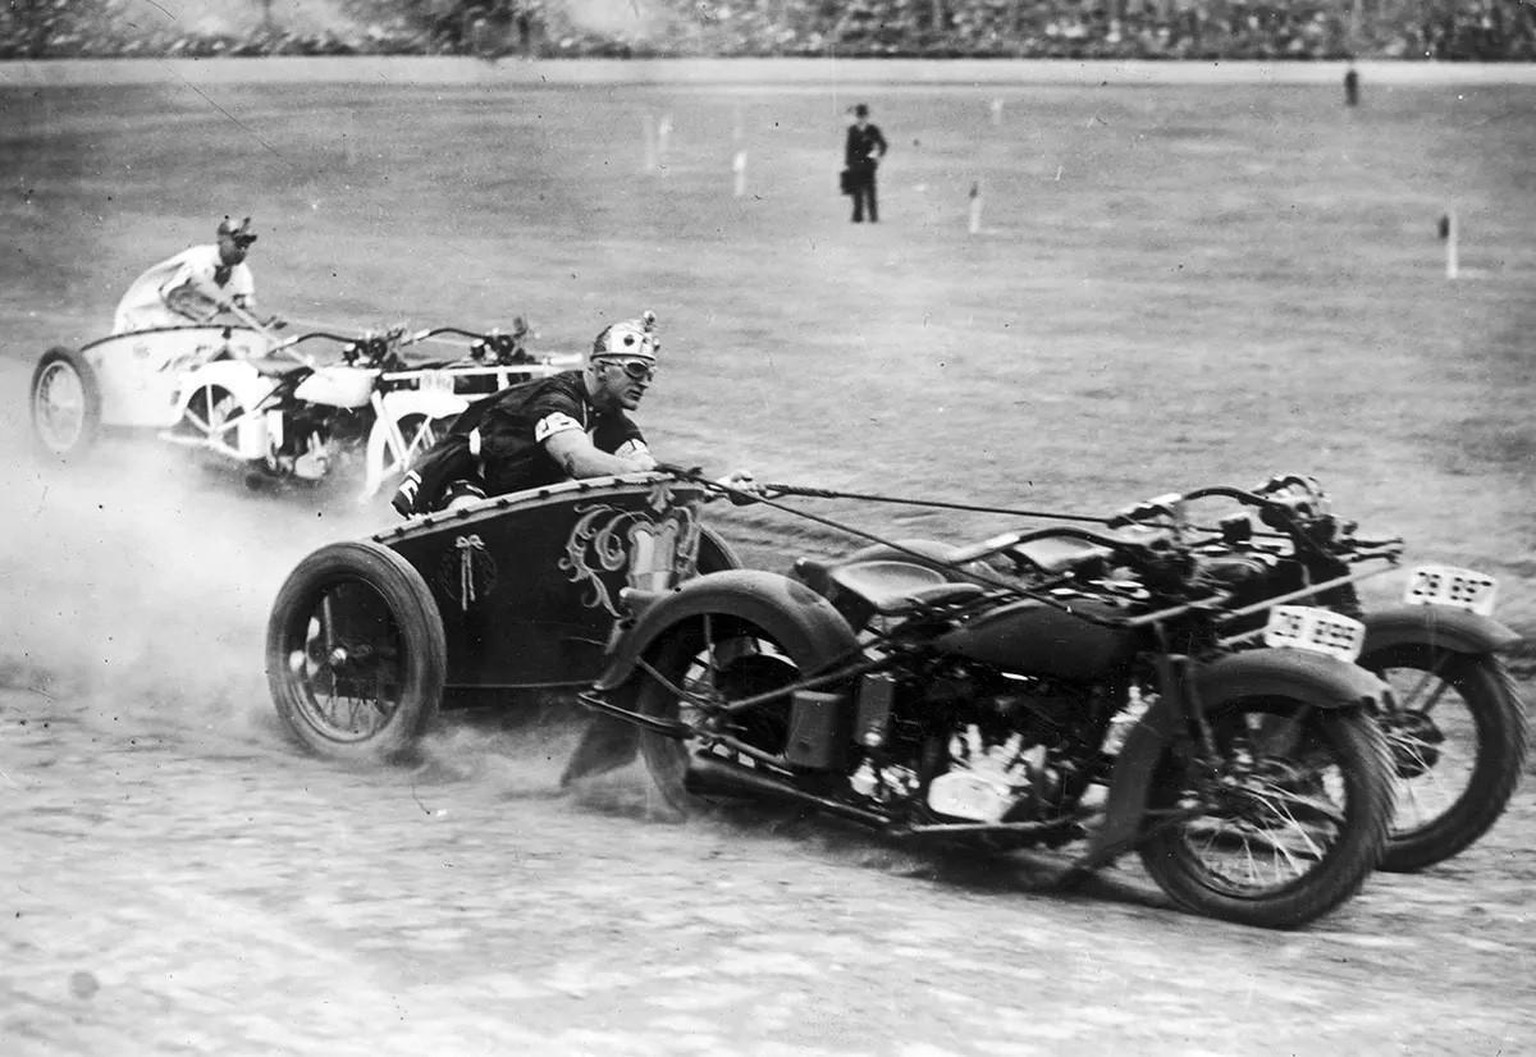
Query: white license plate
x=1317, y=630
x=436, y=382
x=1446, y=585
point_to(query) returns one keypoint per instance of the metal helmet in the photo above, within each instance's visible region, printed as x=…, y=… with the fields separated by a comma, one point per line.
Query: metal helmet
x=631, y=338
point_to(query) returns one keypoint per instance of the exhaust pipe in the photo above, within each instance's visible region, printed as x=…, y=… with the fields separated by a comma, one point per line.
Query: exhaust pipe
x=709, y=774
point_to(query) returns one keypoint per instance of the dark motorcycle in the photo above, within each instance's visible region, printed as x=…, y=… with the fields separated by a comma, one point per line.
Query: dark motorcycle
x=1458, y=731
x=986, y=701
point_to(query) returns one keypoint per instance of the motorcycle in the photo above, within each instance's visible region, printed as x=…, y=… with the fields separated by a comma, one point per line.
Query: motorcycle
x=1040, y=688
x=1456, y=726
x=286, y=417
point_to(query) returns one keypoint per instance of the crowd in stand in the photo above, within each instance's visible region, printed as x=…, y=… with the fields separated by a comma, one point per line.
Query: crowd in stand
x=1462, y=30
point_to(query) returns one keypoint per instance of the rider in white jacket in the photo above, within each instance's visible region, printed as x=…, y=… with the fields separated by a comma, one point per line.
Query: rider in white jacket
x=195, y=286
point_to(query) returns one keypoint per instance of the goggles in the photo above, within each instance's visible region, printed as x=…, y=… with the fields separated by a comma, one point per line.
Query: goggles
x=635, y=370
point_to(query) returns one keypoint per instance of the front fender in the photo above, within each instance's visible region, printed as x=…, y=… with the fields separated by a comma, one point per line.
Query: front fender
x=430, y=403
x=776, y=603
x=1318, y=680
x=1459, y=630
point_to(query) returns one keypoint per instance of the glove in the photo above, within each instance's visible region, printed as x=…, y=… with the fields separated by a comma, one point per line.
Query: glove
x=741, y=481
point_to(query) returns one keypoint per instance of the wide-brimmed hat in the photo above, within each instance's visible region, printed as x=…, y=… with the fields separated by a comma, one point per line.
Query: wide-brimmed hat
x=240, y=232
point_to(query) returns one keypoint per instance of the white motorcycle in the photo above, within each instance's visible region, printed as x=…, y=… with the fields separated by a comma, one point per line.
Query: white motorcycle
x=240, y=393
x=284, y=416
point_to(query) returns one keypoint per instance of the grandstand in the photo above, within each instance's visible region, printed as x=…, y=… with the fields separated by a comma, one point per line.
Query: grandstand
x=1407, y=30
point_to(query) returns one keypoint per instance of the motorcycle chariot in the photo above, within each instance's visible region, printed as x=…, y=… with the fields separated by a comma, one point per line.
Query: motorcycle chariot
x=490, y=605
x=240, y=394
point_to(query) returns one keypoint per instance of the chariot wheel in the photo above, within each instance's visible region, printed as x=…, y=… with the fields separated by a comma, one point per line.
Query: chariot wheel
x=356, y=653
x=1459, y=740
x=212, y=416
x=65, y=404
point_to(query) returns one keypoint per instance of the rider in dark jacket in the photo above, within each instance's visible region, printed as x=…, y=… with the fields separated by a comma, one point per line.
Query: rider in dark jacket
x=569, y=425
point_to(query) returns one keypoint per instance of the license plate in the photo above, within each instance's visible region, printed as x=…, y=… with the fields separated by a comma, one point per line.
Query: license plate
x=1317, y=630
x=436, y=382
x=1446, y=585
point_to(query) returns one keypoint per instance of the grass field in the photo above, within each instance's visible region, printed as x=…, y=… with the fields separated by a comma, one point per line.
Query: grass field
x=1172, y=285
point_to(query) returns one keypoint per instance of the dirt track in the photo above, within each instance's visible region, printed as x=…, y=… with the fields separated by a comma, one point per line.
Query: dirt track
x=177, y=878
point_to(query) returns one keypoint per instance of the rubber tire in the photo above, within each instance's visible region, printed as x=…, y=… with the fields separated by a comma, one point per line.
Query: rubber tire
x=715, y=554
x=410, y=604
x=666, y=758
x=1503, y=745
x=1367, y=769
x=90, y=388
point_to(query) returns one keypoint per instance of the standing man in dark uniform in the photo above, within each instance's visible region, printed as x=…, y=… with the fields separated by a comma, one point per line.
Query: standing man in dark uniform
x=866, y=146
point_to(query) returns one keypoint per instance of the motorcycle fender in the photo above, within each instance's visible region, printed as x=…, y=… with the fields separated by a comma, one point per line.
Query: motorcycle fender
x=814, y=627
x=800, y=615
x=1460, y=630
x=431, y=403
x=240, y=379
x=1326, y=682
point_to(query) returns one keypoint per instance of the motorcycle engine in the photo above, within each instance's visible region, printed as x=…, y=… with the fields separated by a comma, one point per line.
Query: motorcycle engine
x=985, y=746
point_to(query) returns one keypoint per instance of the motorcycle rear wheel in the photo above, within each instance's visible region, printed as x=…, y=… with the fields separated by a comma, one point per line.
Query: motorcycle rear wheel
x=728, y=658
x=1293, y=826
x=1459, y=738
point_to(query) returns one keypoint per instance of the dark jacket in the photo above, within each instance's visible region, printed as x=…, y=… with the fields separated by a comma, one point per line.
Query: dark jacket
x=865, y=147
x=496, y=444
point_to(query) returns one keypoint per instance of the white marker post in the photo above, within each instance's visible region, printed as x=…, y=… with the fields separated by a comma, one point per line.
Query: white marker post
x=648, y=133
x=1452, y=251
x=663, y=135
x=975, y=207
x=739, y=167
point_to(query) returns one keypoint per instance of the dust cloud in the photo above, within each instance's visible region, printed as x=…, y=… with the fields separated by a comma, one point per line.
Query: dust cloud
x=135, y=590
x=137, y=585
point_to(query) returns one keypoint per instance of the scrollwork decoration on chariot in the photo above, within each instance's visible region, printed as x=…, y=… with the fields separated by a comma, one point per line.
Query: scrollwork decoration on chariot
x=653, y=548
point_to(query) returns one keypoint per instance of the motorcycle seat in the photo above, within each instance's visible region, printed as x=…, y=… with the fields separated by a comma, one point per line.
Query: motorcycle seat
x=895, y=587
x=1058, y=555
x=274, y=366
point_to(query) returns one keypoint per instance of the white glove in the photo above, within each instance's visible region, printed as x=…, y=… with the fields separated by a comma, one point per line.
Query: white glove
x=740, y=481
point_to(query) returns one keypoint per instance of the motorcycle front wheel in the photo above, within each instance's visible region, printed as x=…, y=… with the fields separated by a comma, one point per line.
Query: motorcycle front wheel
x=1283, y=824
x=1459, y=739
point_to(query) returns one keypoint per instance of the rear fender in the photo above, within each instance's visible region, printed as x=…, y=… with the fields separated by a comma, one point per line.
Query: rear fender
x=1459, y=630
x=789, y=608
x=1324, y=682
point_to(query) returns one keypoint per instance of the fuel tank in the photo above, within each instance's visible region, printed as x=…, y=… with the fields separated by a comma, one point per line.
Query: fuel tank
x=1033, y=638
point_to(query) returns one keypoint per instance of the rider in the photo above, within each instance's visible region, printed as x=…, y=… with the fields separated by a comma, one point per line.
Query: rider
x=195, y=286
x=569, y=425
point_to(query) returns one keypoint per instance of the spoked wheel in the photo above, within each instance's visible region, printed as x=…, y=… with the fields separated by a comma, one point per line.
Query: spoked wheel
x=715, y=660
x=419, y=433
x=212, y=416
x=356, y=653
x=1288, y=823
x=65, y=404
x=387, y=457
x=1459, y=739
